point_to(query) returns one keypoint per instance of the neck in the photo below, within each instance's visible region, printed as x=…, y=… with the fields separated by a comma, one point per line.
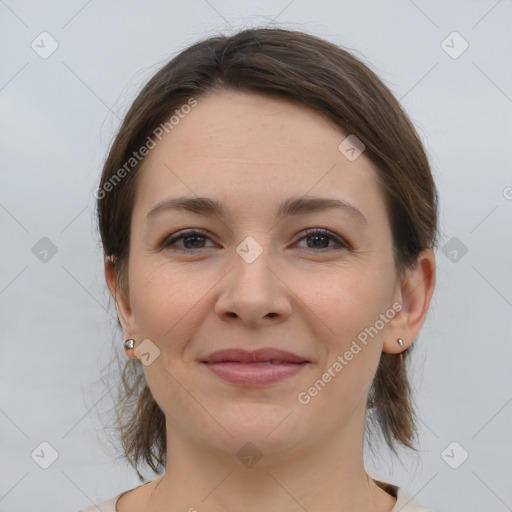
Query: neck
x=326, y=477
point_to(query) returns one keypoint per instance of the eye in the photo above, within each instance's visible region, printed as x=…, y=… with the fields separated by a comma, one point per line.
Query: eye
x=321, y=237
x=191, y=239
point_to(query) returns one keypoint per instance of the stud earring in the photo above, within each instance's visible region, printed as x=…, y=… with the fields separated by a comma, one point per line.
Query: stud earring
x=129, y=344
x=400, y=341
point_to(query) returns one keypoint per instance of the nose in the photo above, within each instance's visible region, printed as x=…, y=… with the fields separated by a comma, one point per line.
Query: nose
x=254, y=293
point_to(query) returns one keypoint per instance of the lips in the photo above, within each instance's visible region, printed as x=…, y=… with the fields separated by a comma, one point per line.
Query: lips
x=258, y=368
x=272, y=355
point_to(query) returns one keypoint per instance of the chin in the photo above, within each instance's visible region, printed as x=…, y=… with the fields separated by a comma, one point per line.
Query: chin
x=265, y=425
x=250, y=445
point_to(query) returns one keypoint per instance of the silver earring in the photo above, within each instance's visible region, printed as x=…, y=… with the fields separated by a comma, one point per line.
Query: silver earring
x=400, y=341
x=129, y=344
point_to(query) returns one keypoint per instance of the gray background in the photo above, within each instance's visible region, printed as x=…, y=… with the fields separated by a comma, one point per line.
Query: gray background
x=58, y=116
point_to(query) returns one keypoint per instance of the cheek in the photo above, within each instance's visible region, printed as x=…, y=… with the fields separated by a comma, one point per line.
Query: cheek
x=350, y=299
x=162, y=303
x=349, y=304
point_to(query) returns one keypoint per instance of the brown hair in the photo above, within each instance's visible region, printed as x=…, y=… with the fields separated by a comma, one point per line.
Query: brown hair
x=319, y=74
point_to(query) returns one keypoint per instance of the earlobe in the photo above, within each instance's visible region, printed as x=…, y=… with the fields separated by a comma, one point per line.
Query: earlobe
x=396, y=345
x=129, y=346
x=415, y=294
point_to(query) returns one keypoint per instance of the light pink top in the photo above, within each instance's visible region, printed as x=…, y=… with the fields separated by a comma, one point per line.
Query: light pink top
x=403, y=502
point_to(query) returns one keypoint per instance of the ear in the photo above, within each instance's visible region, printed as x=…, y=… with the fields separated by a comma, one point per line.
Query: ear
x=414, y=294
x=122, y=299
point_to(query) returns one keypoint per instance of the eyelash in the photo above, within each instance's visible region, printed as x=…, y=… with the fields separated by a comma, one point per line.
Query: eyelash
x=169, y=242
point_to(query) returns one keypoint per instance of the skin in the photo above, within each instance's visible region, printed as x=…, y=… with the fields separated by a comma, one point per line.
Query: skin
x=251, y=152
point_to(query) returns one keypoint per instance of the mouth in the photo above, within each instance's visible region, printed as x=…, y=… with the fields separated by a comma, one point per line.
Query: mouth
x=254, y=369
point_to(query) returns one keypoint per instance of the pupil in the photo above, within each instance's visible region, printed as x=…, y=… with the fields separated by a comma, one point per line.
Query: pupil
x=196, y=238
x=318, y=237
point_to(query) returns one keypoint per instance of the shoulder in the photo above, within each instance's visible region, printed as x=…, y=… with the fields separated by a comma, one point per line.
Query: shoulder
x=109, y=505
x=403, y=502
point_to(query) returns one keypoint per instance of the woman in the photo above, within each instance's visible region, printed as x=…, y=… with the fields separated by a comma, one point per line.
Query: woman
x=268, y=218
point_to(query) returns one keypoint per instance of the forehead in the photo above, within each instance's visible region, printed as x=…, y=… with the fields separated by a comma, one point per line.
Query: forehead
x=252, y=149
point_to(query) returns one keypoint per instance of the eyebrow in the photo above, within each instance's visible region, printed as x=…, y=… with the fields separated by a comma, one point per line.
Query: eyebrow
x=289, y=207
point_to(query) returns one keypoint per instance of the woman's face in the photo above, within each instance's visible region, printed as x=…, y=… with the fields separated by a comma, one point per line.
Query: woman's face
x=248, y=278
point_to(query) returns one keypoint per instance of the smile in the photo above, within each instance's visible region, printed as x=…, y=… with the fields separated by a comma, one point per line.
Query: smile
x=255, y=374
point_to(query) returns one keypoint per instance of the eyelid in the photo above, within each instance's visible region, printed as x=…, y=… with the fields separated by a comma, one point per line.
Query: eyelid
x=183, y=233
x=341, y=242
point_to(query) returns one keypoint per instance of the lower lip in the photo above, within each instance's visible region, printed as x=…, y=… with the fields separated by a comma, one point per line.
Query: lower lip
x=254, y=374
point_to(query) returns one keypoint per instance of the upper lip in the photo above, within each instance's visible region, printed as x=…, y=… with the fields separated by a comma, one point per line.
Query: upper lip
x=253, y=356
